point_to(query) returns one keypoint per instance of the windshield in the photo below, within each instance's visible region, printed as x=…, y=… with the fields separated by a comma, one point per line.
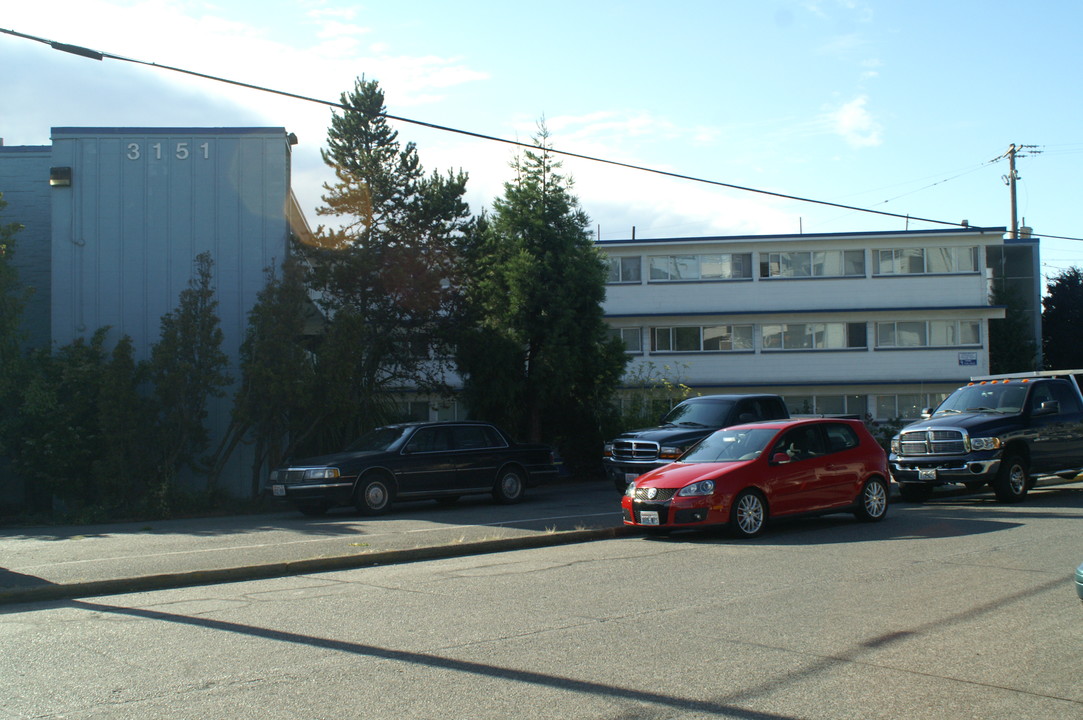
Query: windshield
x=705, y=414
x=1000, y=398
x=377, y=440
x=730, y=446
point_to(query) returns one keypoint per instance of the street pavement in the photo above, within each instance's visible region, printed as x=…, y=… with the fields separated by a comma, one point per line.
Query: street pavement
x=57, y=562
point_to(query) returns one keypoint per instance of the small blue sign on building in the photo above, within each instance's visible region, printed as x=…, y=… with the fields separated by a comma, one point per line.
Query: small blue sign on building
x=968, y=358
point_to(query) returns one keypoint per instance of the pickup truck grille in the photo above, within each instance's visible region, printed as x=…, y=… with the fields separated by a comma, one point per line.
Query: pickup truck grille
x=635, y=450
x=934, y=442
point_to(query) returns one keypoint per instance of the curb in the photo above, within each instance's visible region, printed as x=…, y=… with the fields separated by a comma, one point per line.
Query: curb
x=194, y=578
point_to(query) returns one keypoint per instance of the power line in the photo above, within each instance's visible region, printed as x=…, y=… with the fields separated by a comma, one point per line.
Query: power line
x=99, y=55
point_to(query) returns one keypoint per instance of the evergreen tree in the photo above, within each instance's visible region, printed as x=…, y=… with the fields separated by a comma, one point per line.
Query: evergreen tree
x=385, y=274
x=13, y=299
x=277, y=404
x=1011, y=343
x=123, y=471
x=1062, y=321
x=188, y=368
x=536, y=354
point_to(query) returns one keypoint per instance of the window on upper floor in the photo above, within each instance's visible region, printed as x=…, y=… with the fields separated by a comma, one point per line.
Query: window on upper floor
x=625, y=270
x=718, y=266
x=813, y=263
x=631, y=337
x=917, y=261
x=711, y=338
x=928, y=333
x=814, y=336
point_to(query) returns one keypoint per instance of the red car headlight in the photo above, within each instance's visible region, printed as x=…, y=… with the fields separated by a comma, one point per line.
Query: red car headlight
x=703, y=487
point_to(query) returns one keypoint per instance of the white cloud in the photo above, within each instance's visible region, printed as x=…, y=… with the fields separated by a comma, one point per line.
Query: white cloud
x=855, y=124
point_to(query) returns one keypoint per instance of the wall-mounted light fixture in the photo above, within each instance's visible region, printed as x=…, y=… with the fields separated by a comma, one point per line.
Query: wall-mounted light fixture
x=291, y=139
x=60, y=176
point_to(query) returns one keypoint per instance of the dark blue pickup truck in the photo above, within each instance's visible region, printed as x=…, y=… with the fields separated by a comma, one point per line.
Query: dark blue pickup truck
x=1000, y=430
x=635, y=452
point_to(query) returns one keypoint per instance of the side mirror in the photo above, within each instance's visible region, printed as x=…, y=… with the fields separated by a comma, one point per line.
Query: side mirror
x=780, y=458
x=1049, y=407
x=926, y=413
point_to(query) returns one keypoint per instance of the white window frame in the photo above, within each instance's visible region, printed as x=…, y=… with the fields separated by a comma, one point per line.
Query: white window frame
x=888, y=333
x=671, y=336
x=824, y=336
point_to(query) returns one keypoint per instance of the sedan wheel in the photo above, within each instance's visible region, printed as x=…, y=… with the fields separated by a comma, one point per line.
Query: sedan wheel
x=373, y=496
x=872, y=505
x=509, y=487
x=749, y=514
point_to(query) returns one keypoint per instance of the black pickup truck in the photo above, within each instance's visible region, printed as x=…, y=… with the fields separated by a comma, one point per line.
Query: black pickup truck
x=635, y=452
x=999, y=430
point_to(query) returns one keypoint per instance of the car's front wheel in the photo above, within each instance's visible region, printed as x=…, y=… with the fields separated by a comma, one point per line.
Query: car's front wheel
x=373, y=495
x=748, y=515
x=509, y=486
x=872, y=504
x=1012, y=481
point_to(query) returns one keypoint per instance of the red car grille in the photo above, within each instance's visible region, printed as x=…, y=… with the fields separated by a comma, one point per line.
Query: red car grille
x=660, y=494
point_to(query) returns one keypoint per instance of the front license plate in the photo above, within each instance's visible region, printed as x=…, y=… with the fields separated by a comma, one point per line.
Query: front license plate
x=648, y=517
x=929, y=474
x=278, y=490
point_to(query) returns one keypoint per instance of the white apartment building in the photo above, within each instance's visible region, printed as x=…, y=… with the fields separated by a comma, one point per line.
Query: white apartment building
x=872, y=323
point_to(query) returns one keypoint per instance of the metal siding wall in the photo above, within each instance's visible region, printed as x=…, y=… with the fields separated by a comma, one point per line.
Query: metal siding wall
x=24, y=182
x=143, y=204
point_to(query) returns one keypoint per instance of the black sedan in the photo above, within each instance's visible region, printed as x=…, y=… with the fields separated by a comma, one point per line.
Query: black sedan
x=415, y=461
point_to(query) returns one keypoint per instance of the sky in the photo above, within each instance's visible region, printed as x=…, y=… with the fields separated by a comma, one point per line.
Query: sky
x=899, y=107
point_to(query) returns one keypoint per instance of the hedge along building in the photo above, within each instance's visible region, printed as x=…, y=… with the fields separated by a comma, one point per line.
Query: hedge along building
x=114, y=219
x=870, y=323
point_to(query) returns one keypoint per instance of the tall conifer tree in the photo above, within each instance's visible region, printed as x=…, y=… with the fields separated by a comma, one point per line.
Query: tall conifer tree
x=536, y=353
x=385, y=273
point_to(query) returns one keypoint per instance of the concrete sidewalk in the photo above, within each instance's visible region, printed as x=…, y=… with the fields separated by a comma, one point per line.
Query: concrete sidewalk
x=60, y=562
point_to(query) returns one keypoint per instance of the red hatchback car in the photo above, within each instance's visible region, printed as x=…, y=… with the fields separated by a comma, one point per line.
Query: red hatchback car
x=743, y=475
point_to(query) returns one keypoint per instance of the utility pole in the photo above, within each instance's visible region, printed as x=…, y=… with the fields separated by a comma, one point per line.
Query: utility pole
x=1009, y=179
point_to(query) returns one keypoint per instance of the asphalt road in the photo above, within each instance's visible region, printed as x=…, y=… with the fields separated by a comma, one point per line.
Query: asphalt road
x=958, y=608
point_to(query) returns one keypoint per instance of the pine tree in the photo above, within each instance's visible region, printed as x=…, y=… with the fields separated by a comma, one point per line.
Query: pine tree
x=385, y=275
x=1062, y=321
x=188, y=367
x=536, y=353
x=13, y=298
x=277, y=404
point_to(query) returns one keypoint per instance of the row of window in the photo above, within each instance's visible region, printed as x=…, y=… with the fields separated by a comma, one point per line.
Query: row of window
x=803, y=336
x=905, y=406
x=795, y=264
